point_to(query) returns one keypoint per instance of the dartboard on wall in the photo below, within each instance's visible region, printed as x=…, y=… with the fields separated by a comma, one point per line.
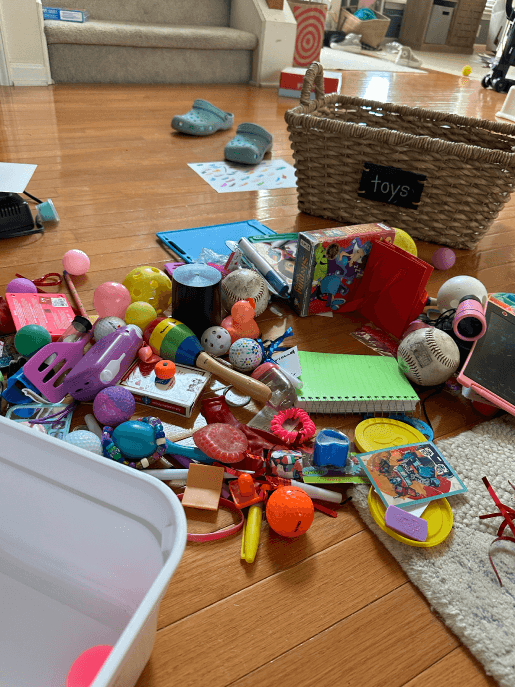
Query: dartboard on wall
x=310, y=18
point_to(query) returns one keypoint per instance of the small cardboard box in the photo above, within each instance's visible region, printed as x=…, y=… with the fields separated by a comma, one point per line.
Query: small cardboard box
x=372, y=31
x=290, y=83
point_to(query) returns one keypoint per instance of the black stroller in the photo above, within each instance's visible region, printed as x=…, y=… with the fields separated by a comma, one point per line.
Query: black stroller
x=504, y=57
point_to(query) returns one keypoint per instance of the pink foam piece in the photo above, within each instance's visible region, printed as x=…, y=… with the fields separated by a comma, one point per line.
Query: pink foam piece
x=406, y=523
x=85, y=668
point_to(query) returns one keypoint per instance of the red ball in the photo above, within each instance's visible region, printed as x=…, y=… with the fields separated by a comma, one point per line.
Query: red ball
x=290, y=511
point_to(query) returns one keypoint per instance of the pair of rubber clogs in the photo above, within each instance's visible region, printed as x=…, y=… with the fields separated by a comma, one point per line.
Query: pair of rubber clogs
x=248, y=146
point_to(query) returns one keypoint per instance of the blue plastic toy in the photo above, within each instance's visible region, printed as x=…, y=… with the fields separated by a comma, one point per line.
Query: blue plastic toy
x=331, y=448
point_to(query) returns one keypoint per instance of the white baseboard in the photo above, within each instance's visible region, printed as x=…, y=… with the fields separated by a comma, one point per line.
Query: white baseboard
x=30, y=75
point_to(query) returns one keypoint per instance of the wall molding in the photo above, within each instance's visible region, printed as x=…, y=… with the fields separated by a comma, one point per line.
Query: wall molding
x=23, y=74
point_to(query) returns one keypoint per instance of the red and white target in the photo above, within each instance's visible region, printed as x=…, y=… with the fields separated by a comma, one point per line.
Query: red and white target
x=310, y=33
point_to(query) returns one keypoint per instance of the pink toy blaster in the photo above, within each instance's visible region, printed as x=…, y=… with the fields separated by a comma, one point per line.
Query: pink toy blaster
x=104, y=364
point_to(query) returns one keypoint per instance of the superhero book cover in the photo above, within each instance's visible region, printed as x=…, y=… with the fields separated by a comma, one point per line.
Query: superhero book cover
x=415, y=472
x=329, y=265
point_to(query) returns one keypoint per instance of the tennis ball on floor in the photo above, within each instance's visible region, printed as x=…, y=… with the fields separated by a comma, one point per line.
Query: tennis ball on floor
x=467, y=70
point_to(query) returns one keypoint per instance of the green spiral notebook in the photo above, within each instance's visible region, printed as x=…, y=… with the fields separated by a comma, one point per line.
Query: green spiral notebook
x=338, y=383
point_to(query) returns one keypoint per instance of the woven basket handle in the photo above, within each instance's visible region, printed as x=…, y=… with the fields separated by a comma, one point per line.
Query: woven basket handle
x=314, y=74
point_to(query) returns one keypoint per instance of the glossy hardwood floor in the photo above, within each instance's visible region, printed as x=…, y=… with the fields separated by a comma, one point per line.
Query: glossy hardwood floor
x=333, y=607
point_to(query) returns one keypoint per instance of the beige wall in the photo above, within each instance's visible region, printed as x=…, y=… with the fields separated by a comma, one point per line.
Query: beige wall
x=24, y=42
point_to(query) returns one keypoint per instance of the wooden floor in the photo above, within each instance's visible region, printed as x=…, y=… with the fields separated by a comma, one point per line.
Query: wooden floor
x=333, y=607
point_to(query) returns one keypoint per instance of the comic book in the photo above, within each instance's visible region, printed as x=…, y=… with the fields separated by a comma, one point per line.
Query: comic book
x=329, y=265
x=414, y=472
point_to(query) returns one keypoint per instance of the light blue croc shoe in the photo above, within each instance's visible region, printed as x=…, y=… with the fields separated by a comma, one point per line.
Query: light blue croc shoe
x=203, y=119
x=249, y=145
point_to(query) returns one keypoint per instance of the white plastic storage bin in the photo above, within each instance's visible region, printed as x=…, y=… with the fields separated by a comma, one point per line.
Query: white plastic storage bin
x=87, y=549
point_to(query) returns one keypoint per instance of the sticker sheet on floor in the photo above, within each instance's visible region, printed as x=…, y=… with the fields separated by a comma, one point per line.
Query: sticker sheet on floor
x=230, y=177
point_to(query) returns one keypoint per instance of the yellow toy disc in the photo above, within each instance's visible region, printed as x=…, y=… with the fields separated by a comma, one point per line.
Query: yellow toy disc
x=403, y=240
x=382, y=433
x=438, y=515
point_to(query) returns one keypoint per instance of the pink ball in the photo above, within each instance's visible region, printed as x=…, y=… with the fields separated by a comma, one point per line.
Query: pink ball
x=443, y=258
x=76, y=262
x=114, y=405
x=21, y=285
x=111, y=298
x=87, y=666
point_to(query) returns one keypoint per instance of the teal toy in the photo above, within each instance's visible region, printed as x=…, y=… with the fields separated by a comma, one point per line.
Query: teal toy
x=30, y=338
x=135, y=439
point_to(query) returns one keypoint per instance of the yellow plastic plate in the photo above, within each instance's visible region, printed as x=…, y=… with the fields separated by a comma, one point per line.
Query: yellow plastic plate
x=381, y=433
x=438, y=515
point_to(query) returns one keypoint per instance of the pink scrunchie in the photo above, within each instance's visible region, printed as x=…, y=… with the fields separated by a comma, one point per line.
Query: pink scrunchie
x=307, y=430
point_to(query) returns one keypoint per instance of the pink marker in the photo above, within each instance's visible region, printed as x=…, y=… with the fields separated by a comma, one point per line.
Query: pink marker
x=406, y=523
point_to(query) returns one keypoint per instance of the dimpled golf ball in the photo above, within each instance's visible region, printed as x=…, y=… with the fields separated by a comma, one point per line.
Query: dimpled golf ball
x=290, y=511
x=443, y=258
x=114, y=405
x=245, y=354
x=140, y=313
x=86, y=440
x=216, y=341
x=30, y=339
x=107, y=325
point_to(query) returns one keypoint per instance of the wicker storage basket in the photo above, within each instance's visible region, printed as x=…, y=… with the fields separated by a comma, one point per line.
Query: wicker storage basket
x=469, y=164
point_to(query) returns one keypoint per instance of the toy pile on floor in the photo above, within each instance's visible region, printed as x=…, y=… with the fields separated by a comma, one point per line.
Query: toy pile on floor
x=157, y=338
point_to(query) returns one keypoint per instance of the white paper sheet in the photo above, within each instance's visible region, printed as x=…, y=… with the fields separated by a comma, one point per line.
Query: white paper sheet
x=14, y=177
x=229, y=177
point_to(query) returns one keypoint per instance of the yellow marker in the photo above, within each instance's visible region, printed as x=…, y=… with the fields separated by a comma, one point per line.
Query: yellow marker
x=251, y=533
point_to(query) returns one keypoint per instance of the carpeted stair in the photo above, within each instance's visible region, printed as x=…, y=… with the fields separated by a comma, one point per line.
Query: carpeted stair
x=149, y=41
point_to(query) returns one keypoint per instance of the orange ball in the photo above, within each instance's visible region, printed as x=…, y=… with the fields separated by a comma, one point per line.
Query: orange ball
x=290, y=511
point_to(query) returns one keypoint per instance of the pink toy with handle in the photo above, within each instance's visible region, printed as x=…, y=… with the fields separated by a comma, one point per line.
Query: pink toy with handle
x=104, y=364
x=47, y=369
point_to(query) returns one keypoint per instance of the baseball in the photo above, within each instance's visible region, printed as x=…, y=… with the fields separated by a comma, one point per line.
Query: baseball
x=428, y=356
x=242, y=284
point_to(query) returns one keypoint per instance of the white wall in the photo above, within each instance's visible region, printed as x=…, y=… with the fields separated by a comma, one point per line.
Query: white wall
x=24, y=45
x=276, y=31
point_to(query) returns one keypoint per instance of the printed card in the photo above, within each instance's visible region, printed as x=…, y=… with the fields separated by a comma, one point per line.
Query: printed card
x=413, y=473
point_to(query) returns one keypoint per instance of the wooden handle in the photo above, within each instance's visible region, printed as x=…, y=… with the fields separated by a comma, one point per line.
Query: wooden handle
x=253, y=387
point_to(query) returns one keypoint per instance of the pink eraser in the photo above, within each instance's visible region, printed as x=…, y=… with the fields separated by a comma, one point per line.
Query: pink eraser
x=406, y=523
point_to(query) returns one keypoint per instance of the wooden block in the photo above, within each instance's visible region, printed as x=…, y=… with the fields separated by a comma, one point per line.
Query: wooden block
x=203, y=486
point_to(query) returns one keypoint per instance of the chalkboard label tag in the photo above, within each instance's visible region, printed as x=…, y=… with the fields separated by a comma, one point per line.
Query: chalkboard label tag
x=391, y=185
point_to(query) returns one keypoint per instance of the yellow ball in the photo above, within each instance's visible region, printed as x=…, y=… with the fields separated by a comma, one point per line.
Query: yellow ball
x=140, y=313
x=403, y=240
x=467, y=70
x=151, y=285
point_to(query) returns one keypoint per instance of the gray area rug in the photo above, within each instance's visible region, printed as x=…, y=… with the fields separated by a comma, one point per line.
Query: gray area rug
x=456, y=577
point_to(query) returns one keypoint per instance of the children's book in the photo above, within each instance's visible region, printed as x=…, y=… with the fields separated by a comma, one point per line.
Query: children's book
x=339, y=383
x=330, y=264
x=180, y=398
x=412, y=473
